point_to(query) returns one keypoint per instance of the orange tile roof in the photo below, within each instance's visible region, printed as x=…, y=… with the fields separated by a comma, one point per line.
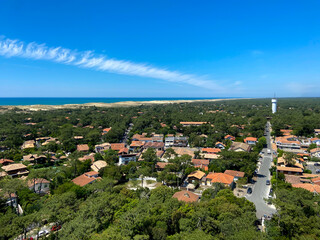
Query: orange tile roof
x=316, y=180
x=250, y=139
x=229, y=137
x=186, y=196
x=83, y=147
x=136, y=144
x=211, y=150
x=161, y=165
x=234, y=173
x=2, y=161
x=117, y=146
x=314, y=150
x=310, y=187
x=31, y=182
x=221, y=178
x=289, y=169
x=219, y=143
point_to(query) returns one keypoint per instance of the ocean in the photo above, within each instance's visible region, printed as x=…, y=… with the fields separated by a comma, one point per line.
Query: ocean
x=61, y=101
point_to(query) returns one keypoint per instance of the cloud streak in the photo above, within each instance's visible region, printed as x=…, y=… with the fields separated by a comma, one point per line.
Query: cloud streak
x=90, y=60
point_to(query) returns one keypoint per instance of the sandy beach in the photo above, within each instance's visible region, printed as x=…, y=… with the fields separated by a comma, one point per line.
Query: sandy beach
x=117, y=104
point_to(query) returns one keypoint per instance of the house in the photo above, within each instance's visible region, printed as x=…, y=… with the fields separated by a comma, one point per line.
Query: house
x=161, y=165
x=315, y=141
x=39, y=185
x=288, y=143
x=290, y=170
x=220, y=145
x=201, y=163
x=176, y=141
x=123, y=151
x=28, y=144
x=184, y=150
x=157, y=138
x=105, y=130
x=159, y=153
x=223, y=178
x=236, y=174
x=186, y=196
x=240, y=147
x=15, y=170
x=136, y=145
x=143, y=138
x=100, y=148
x=83, y=148
x=87, y=157
x=117, y=146
x=308, y=186
x=124, y=159
x=5, y=162
x=316, y=180
x=155, y=145
x=78, y=137
x=210, y=156
x=315, y=152
x=86, y=178
x=98, y=165
x=317, y=132
x=231, y=138
x=211, y=150
x=35, y=158
x=250, y=140
x=195, y=124
x=195, y=176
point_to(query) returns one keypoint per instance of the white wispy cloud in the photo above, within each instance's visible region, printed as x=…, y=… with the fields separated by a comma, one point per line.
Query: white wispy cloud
x=88, y=59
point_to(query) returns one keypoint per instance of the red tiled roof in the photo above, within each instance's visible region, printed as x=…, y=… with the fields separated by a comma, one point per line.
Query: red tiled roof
x=234, y=173
x=211, y=150
x=154, y=145
x=310, y=187
x=186, y=196
x=253, y=139
x=161, y=165
x=136, y=144
x=117, y=146
x=229, y=137
x=2, y=161
x=31, y=182
x=221, y=178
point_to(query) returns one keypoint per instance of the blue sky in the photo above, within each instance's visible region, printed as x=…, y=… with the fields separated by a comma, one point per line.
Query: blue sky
x=159, y=48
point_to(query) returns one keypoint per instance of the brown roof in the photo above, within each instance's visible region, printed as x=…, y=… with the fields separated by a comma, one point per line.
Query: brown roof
x=13, y=167
x=161, y=165
x=192, y=123
x=314, y=150
x=310, y=187
x=289, y=169
x=229, y=137
x=221, y=178
x=186, y=196
x=219, y=143
x=198, y=162
x=239, y=145
x=83, y=147
x=197, y=174
x=136, y=144
x=184, y=150
x=31, y=182
x=91, y=173
x=316, y=180
x=117, y=146
x=83, y=180
x=292, y=179
x=159, y=153
x=234, y=173
x=96, y=166
x=153, y=145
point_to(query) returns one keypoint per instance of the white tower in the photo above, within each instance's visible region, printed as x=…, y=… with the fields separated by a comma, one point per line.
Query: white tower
x=274, y=105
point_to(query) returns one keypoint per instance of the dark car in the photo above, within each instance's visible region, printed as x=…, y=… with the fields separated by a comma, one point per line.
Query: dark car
x=316, y=164
x=249, y=190
x=268, y=182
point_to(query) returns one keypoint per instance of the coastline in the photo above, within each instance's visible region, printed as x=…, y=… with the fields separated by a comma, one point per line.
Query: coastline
x=108, y=105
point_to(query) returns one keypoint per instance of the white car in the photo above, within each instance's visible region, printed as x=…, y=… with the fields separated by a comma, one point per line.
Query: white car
x=43, y=233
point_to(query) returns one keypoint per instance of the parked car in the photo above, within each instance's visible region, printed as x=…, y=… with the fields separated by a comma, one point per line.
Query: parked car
x=43, y=233
x=268, y=182
x=318, y=171
x=316, y=164
x=249, y=190
x=55, y=228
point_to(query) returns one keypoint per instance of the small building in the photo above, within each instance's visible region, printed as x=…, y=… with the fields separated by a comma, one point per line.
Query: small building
x=83, y=148
x=308, y=186
x=315, y=141
x=211, y=150
x=86, y=178
x=315, y=152
x=87, y=157
x=105, y=130
x=236, y=174
x=290, y=170
x=5, y=162
x=186, y=196
x=28, y=144
x=155, y=145
x=98, y=165
x=39, y=185
x=220, y=145
x=100, y=148
x=35, y=158
x=250, y=140
x=161, y=165
x=223, y=178
x=317, y=132
x=135, y=146
x=124, y=159
x=15, y=170
x=117, y=146
x=196, y=176
x=201, y=163
x=176, y=141
x=240, y=147
x=231, y=138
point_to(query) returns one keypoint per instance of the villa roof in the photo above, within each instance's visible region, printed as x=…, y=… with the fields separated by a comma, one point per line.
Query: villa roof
x=234, y=173
x=211, y=150
x=308, y=186
x=220, y=177
x=186, y=196
x=117, y=146
x=83, y=147
x=197, y=174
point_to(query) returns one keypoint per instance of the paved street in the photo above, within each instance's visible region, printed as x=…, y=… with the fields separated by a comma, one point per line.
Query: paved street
x=260, y=189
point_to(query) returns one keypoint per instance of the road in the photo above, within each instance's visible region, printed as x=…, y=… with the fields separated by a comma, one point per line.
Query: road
x=260, y=189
